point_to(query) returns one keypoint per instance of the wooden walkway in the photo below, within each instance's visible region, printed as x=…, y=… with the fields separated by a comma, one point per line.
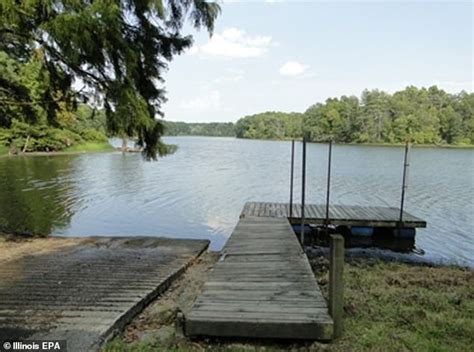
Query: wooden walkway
x=263, y=286
x=338, y=214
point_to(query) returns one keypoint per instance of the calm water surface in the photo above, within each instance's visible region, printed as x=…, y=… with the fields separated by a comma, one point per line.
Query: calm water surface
x=200, y=191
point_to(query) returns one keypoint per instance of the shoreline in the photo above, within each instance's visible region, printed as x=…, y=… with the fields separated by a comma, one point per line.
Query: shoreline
x=387, y=145
x=387, y=306
x=372, y=254
x=375, y=254
x=78, y=149
x=107, y=147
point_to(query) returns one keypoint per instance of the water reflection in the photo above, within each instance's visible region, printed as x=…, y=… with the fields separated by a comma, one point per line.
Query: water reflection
x=199, y=191
x=36, y=195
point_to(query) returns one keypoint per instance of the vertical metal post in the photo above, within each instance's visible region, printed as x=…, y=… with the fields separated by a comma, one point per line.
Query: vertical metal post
x=328, y=184
x=303, y=190
x=406, y=166
x=292, y=176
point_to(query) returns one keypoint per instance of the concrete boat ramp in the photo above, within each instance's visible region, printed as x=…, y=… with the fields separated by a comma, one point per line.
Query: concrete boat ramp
x=83, y=293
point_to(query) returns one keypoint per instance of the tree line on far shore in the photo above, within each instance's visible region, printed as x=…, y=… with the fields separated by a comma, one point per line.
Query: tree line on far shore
x=420, y=115
x=214, y=129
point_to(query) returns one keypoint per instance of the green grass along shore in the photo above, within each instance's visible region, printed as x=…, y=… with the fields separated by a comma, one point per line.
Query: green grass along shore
x=89, y=147
x=388, y=306
x=94, y=147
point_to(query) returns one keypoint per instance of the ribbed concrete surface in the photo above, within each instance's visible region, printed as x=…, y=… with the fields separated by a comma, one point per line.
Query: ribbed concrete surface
x=84, y=293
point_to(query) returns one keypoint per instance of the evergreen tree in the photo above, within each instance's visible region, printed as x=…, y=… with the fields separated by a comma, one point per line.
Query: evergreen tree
x=118, y=48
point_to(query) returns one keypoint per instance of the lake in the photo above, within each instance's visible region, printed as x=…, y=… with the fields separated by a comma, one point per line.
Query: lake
x=199, y=191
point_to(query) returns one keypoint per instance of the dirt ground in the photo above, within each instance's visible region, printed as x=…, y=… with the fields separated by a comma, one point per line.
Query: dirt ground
x=14, y=248
x=388, y=306
x=157, y=320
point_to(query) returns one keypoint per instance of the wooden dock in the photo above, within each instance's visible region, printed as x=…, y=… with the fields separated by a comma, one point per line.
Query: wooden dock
x=263, y=287
x=338, y=214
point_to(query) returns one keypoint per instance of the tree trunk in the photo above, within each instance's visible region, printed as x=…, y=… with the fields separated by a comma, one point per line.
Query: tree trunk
x=124, y=143
x=26, y=144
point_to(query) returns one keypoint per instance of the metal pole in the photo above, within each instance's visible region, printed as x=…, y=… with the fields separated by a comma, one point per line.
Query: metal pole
x=328, y=184
x=303, y=186
x=292, y=176
x=406, y=166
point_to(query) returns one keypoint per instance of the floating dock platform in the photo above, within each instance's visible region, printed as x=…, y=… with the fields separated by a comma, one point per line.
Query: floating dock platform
x=346, y=215
x=263, y=285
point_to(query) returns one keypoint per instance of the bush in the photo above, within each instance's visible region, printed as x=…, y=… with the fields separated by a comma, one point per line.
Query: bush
x=92, y=135
x=24, y=137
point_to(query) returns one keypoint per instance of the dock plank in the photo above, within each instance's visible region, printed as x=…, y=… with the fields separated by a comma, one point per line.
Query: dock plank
x=348, y=215
x=262, y=287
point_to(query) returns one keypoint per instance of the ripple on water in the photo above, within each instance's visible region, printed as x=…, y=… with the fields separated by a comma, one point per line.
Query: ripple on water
x=199, y=191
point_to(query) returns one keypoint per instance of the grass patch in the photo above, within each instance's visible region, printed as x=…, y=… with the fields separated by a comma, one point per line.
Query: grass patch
x=90, y=147
x=387, y=307
x=395, y=307
x=3, y=150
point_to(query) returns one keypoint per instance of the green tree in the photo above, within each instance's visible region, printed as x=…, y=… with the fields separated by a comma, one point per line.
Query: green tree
x=374, y=118
x=217, y=129
x=117, y=48
x=464, y=105
x=421, y=115
x=270, y=125
x=451, y=125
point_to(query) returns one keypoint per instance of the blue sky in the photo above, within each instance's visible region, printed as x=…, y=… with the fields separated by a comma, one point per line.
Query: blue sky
x=288, y=55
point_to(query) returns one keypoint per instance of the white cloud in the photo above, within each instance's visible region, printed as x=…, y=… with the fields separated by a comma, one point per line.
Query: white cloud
x=203, y=102
x=293, y=68
x=193, y=50
x=228, y=79
x=235, y=43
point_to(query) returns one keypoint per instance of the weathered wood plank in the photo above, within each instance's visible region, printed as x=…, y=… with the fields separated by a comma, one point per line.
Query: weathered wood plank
x=258, y=328
x=349, y=215
x=262, y=287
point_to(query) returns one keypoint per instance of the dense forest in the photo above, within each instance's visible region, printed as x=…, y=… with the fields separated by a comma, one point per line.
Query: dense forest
x=216, y=129
x=35, y=117
x=423, y=116
x=270, y=125
x=420, y=115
